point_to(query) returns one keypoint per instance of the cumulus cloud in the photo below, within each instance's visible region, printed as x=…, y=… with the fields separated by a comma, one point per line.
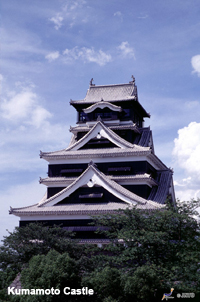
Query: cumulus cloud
x=52, y=56
x=186, y=154
x=187, y=149
x=39, y=115
x=72, y=12
x=57, y=20
x=185, y=193
x=87, y=55
x=23, y=107
x=90, y=55
x=126, y=50
x=26, y=128
x=195, y=61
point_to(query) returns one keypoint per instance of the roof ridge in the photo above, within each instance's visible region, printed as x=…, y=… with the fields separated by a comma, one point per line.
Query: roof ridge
x=119, y=141
x=111, y=85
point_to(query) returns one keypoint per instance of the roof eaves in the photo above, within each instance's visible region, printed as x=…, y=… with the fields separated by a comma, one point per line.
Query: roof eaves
x=111, y=152
x=105, y=180
x=116, y=139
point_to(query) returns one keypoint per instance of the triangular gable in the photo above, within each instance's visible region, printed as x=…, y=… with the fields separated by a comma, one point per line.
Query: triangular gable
x=100, y=130
x=91, y=177
x=102, y=105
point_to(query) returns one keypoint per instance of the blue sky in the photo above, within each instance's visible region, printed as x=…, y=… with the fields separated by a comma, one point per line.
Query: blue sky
x=51, y=49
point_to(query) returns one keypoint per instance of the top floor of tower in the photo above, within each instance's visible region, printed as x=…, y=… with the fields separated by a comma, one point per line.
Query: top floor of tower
x=110, y=103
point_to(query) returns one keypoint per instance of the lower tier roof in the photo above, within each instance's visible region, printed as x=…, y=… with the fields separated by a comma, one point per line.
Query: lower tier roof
x=93, y=177
x=81, y=209
x=134, y=179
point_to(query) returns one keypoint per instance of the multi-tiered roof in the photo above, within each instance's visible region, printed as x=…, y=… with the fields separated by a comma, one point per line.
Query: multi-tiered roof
x=109, y=164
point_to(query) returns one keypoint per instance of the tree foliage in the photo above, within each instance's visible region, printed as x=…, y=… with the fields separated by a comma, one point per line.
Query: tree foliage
x=155, y=250
x=25, y=242
x=148, y=253
x=53, y=270
x=35, y=239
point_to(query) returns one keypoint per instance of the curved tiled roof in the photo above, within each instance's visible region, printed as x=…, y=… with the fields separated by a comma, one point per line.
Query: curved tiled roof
x=109, y=93
x=145, y=138
x=102, y=105
x=82, y=208
x=100, y=129
x=95, y=177
x=124, y=147
x=107, y=153
x=133, y=178
x=160, y=193
x=86, y=128
x=110, y=152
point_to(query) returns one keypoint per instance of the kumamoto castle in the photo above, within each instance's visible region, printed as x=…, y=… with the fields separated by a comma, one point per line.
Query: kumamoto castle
x=109, y=164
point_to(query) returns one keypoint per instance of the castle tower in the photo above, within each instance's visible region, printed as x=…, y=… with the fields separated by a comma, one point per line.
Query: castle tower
x=109, y=164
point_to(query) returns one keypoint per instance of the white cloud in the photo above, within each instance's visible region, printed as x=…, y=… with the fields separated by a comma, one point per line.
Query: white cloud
x=187, y=149
x=143, y=16
x=23, y=107
x=39, y=115
x=20, y=145
x=52, y=56
x=118, y=14
x=87, y=55
x=17, y=40
x=72, y=54
x=18, y=106
x=186, y=154
x=25, y=128
x=126, y=50
x=195, y=61
x=73, y=12
x=57, y=20
x=99, y=57
x=186, y=193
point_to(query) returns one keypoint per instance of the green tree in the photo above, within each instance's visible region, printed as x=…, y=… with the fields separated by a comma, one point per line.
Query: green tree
x=25, y=242
x=35, y=239
x=161, y=247
x=106, y=283
x=141, y=284
x=149, y=252
x=53, y=270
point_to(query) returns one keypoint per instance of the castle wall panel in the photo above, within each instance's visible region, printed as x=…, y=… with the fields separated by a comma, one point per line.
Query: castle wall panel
x=136, y=167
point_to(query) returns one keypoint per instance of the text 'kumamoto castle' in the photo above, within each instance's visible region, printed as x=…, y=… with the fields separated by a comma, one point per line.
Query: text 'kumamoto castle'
x=109, y=164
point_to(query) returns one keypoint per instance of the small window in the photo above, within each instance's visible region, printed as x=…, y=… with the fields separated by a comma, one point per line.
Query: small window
x=70, y=172
x=91, y=195
x=116, y=169
x=127, y=112
x=103, y=115
x=83, y=116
